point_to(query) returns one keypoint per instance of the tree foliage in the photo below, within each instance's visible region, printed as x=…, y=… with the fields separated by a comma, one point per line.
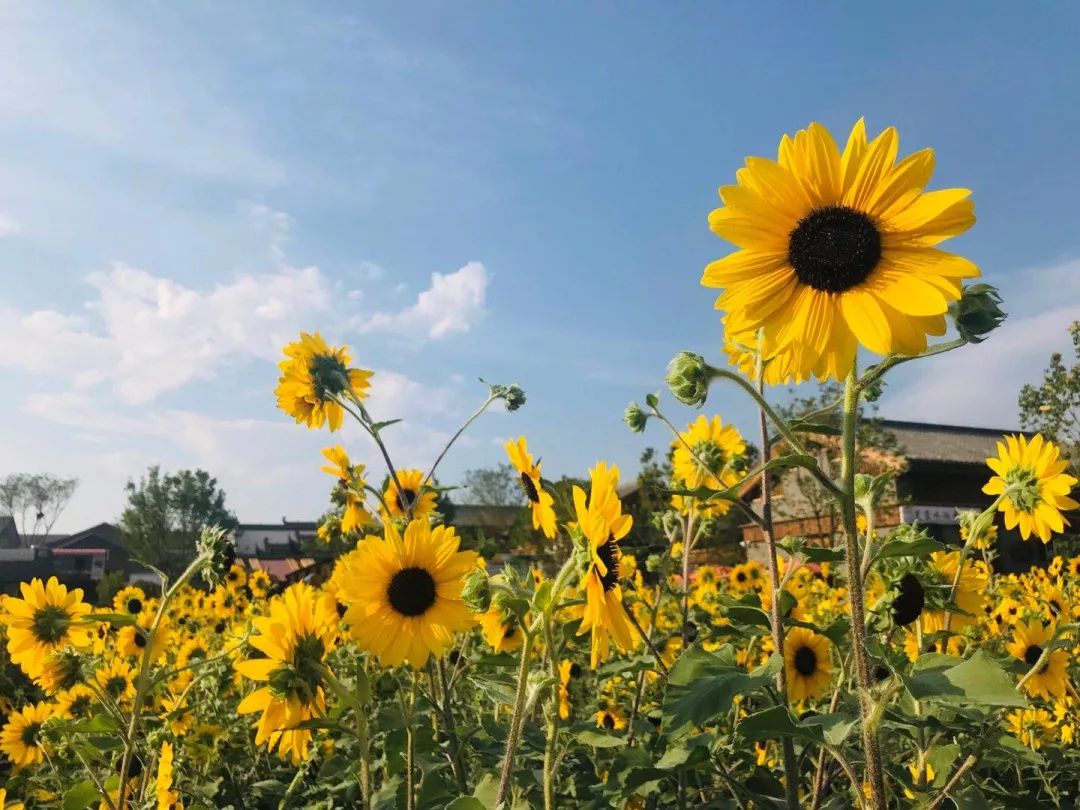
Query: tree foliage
x=36, y=501
x=1053, y=406
x=494, y=486
x=166, y=512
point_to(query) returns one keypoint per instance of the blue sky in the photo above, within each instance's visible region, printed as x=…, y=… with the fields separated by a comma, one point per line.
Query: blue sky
x=183, y=187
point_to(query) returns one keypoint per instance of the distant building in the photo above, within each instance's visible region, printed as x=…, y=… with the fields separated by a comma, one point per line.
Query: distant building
x=941, y=469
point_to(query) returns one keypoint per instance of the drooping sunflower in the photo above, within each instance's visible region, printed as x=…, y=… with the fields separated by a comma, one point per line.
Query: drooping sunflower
x=20, y=738
x=167, y=798
x=501, y=631
x=301, y=628
x=808, y=661
x=603, y=523
x=414, y=492
x=714, y=447
x=313, y=376
x=404, y=592
x=45, y=619
x=838, y=249
x=541, y=502
x=60, y=670
x=1033, y=473
x=1029, y=642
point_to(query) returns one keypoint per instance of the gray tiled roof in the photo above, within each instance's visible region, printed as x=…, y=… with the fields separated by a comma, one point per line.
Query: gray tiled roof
x=919, y=441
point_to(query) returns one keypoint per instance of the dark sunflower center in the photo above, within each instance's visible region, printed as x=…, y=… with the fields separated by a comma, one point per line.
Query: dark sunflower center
x=1032, y=655
x=609, y=721
x=575, y=670
x=115, y=686
x=329, y=376
x=834, y=248
x=1055, y=606
x=50, y=624
x=609, y=556
x=909, y=601
x=741, y=576
x=509, y=630
x=140, y=639
x=30, y=734
x=80, y=705
x=530, y=488
x=406, y=498
x=411, y=591
x=134, y=606
x=805, y=661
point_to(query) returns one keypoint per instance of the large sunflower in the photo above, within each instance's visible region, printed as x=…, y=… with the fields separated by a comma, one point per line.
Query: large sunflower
x=313, y=376
x=414, y=493
x=541, y=502
x=301, y=629
x=601, y=520
x=808, y=661
x=1029, y=641
x=1033, y=473
x=20, y=738
x=404, y=592
x=47, y=618
x=839, y=249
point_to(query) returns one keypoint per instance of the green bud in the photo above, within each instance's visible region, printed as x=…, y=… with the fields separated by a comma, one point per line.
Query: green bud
x=216, y=544
x=977, y=313
x=688, y=378
x=476, y=591
x=635, y=418
x=512, y=395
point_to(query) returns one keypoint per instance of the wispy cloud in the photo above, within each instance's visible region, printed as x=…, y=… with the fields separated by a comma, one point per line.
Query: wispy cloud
x=454, y=303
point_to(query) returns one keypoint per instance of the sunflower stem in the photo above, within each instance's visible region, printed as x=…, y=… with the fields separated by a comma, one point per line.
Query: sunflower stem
x=457, y=435
x=874, y=775
x=791, y=774
x=352, y=700
x=368, y=424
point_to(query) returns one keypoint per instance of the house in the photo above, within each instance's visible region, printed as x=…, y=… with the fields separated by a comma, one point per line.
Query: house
x=939, y=470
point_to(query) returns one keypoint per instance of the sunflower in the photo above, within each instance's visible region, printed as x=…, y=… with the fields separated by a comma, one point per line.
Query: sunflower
x=610, y=719
x=404, y=592
x=1029, y=642
x=167, y=798
x=910, y=600
x=808, y=661
x=501, y=630
x=259, y=583
x=970, y=594
x=116, y=680
x=132, y=639
x=1031, y=476
x=414, y=494
x=20, y=738
x=603, y=524
x=130, y=600
x=568, y=670
x=541, y=502
x=1031, y=726
x=704, y=453
x=5, y=804
x=838, y=249
x=45, y=619
x=313, y=376
x=75, y=702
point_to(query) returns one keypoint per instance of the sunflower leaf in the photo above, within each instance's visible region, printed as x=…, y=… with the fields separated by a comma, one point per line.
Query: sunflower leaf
x=979, y=680
x=599, y=739
x=778, y=722
x=702, y=685
x=81, y=796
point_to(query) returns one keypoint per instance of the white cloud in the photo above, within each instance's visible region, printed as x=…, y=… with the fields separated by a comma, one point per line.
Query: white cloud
x=453, y=303
x=156, y=335
x=9, y=227
x=978, y=385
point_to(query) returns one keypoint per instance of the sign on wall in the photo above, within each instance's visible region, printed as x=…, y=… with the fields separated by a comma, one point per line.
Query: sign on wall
x=931, y=515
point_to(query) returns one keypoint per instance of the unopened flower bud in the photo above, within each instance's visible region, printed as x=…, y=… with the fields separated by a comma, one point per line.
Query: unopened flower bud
x=635, y=418
x=977, y=313
x=512, y=395
x=476, y=591
x=216, y=544
x=688, y=378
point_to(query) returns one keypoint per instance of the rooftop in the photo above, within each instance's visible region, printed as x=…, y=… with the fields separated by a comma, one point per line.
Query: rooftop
x=922, y=441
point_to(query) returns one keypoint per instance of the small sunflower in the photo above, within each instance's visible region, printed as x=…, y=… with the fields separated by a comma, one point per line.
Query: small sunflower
x=414, y=493
x=703, y=456
x=1032, y=472
x=76, y=702
x=47, y=618
x=1029, y=642
x=61, y=669
x=808, y=661
x=601, y=520
x=301, y=628
x=1031, y=726
x=313, y=376
x=20, y=738
x=541, y=503
x=838, y=249
x=404, y=592
x=130, y=600
x=610, y=719
x=568, y=671
x=501, y=630
x=5, y=804
x=116, y=680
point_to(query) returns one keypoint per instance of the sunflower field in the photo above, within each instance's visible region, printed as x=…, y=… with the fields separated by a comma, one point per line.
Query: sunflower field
x=883, y=670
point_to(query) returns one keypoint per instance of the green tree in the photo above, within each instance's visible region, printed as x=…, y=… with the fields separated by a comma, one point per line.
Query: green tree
x=1053, y=406
x=36, y=501
x=494, y=486
x=166, y=512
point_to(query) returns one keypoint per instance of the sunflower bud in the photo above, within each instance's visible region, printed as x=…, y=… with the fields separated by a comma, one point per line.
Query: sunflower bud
x=216, y=545
x=688, y=378
x=635, y=418
x=512, y=395
x=476, y=592
x=977, y=313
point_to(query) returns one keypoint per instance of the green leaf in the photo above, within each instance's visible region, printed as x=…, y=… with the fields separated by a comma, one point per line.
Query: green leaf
x=466, y=803
x=377, y=426
x=921, y=546
x=702, y=685
x=835, y=728
x=542, y=597
x=487, y=789
x=118, y=619
x=98, y=724
x=652, y=400
x=599, y=739
x=819, y=428
x=797, y=546
x=979, y=680
x=81, y=796
x=777, y=722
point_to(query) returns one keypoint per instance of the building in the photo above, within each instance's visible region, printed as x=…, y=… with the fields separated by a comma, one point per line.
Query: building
x=940, y=469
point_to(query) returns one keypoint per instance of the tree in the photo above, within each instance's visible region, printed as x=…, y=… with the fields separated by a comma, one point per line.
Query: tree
x=36, y=501
x=494, y=486
x=166, y=513
x=1053, y=407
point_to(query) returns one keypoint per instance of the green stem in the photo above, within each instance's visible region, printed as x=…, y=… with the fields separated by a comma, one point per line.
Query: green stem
x=457, y=435
x=863, y=677
x=353, y=701
x=875, y=373
x=366, y=422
